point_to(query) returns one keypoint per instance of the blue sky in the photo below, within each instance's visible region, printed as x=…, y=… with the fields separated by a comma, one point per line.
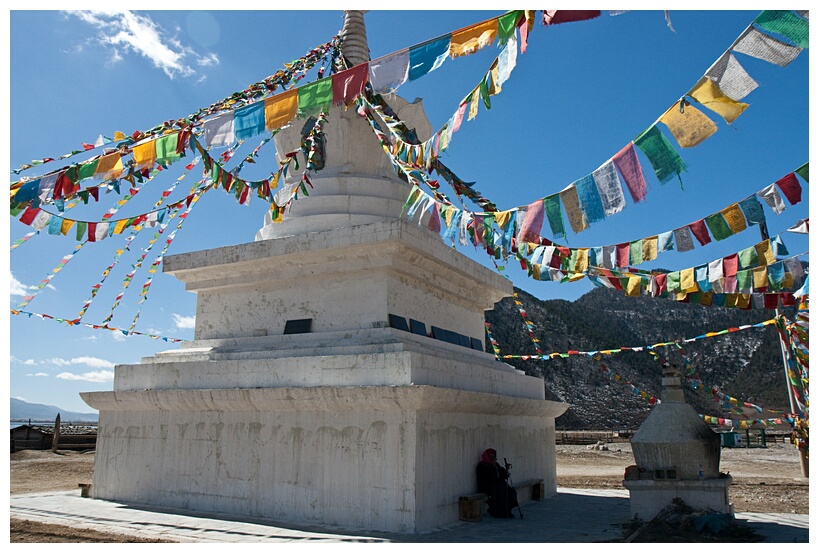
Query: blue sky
x=580, y=93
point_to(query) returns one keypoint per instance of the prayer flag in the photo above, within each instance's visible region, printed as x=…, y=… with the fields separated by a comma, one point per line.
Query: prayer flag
x=718, y=226
x=649, y=248
x=803, y=172
x=790, y=187
x=427, y=57
x=609, y=188
x=700, y=232
x=635, y=252
x=633, y=285
x=389, y=72
x=775, y=274
x=707, y=93
x=315, y=97
x=623, y=255
x=219, y=130
x=752, y=210
x=471, y=39
x=507, y=60
x=764, y=253
x=507, y=23
x=167, y=150
x=748, y=257
x=349, y=84
x=551, y=205
x=682, y=237
x=532, y=223
x=144, y=154
x=729, y=265
x=715, y=270
x=771, y=197
x=662, y=156
x=688, y=125
x=555, y=17
x=734, y=217
x=745, y=281
x=665, y=241
x=787, y=24
x=688, y=282
x=765, y=47
x=248, y=121
x=629, y=166
x=731, y=77
x=109, y=167
x=589, y=198
x=760, y=275
x=572, y=206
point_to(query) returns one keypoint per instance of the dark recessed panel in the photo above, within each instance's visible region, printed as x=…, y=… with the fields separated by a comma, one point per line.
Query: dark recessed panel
x=463, y=340
x=417, y=327
x=298, y=326
x=398, y=322
x=476, y=344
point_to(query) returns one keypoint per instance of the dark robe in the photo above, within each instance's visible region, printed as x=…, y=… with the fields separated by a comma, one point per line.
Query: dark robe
x=492, y=480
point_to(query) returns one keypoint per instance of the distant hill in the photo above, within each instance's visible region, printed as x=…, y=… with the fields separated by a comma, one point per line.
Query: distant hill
x=22, y=410
x=746, y=365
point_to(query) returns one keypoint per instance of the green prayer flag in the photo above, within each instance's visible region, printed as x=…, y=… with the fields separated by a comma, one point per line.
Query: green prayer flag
x=803, y=172
x=87, y=170
x=745, y=280
x=81, y=226
x=484, y=88
x=718, y=226
x=748, y=257
x=635, y=252
x=17, y=209
x=672, y=283
x=315, y=97
x=506, y=25
x=787, y=24
x=166, y=148
x=551, y=206
x=660, y=153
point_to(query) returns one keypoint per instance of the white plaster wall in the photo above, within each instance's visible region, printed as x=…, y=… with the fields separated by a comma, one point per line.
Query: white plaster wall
x=381, y=459
x=452, y=367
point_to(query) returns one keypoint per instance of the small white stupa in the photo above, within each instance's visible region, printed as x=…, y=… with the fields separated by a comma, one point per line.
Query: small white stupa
x=677, y=456
x=338, y=374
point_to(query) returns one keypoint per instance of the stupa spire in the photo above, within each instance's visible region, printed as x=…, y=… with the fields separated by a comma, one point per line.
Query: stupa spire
x=354, y=38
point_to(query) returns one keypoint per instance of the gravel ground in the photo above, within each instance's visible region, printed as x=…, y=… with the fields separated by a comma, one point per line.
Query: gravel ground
x=766, y=480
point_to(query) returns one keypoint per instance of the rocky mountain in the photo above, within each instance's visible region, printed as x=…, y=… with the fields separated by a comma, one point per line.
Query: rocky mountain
x=746, y=365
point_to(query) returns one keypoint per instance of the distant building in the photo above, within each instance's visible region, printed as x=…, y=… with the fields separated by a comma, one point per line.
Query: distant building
x=76, y=437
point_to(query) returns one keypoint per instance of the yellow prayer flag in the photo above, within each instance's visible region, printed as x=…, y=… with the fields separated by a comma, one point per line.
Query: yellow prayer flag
x=279, y=110
x=66, y=226
x=502, y=218
x=708, y=94
x=119, y=135
x=688, y=282
x=144, y=154
x=760, y=277
x=743, y=300
x=734, y=217
x=689, y=127
x=536, y=271
x=571, y=204
x=120, y=226
x=494, y=84
x=649, y=248
x=731, y=300
x=581, y=264
x=471, y=39
x=765, y=253
x=633, y=285
x=473, y=106
x=109, y=167
x=788, y=281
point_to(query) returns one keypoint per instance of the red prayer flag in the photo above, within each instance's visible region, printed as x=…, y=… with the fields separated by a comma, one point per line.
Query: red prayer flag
x=791, y=189
x=628, y=164
x=700, y=232
x=29, y=214
x=349, y=83
x=661, y=281
x=771, y=301
x=730, y=265
x=92, y=232
x=623, y=255
x=554, y=17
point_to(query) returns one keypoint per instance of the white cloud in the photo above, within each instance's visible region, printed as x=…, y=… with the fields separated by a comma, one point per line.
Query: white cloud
x=18, y=288
x=93, y=362
x=37, y=374
x=126, y=31
x=181, y=322
x=93, y=376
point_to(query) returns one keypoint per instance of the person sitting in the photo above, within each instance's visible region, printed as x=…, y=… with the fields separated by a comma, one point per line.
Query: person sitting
x=492, y=480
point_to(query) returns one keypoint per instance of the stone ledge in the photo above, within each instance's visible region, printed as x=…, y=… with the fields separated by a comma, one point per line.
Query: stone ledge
x=326, y=399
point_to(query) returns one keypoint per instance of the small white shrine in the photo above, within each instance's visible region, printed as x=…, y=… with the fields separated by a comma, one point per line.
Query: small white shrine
x=338, y=373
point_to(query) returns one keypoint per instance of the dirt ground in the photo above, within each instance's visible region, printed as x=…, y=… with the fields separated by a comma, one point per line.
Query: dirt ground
x=766, y=480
